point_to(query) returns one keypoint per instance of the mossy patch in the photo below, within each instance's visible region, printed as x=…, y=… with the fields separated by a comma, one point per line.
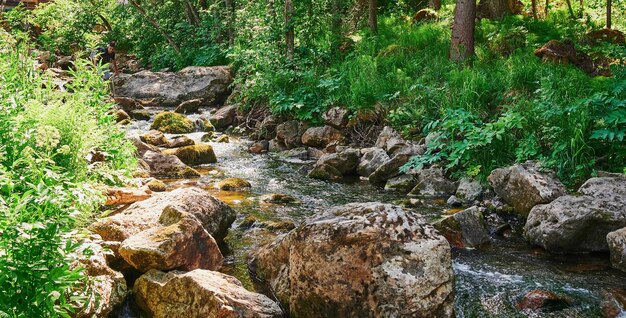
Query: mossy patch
x=194, y=155
x=172, y=123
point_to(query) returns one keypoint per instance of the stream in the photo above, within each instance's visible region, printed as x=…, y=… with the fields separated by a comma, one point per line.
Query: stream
x=488, y=281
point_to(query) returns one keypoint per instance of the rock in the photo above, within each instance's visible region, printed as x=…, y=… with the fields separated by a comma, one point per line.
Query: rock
x=275, y=146
x=391, y=167
x=259, y=147
x=214, y=215
x=433, y=182
x=121, y=115
x=289, y=134
x=277, y=198
x=403, y=183
x=373, y=158
x=469, y=190
x=361, y=260
x=108, y=287
x=224, y=117
x=425, y=15
x=65, y=63
x=233, y=184
x=156, y=186
x=295, y=153
x=164, y=165
x=607, y=35
x=565, y=53
x=209, y=84
x=579, y=223
x=223, y=139
x=194, y=155
x=344, y=162
x=614, y=302
x=183, y=245
x=325, y=172
x=321, y=137
x=276, y=226
x=205, y=125
x=390, y=140
x=453, y=201
x=127, y=104
x=172, y=123
x=337, y=117
x=523, y=186
x=314, y=153
x=140, y=114
x=120, y=196
x=189, y=106
x=536, y=299
x=124, y=122
x=266, y=129
x=464, y=229
x=200, y=293
x=180, y=141
x=617, y=246
x=142, y=147
x=208, y=137
x=154, y=137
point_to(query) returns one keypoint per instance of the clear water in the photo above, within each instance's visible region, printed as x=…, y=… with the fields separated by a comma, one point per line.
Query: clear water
x=488, y=281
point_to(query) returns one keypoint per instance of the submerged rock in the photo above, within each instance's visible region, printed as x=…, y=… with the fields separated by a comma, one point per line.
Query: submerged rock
x=617, y=247
x=361, y=260
x=536, y=299
x=194, y=155
x=214, y=215
x=164, y=165
x=233, y=184
x=200, y=293
x=172, y=123
x=277, y=198
x=524, y=185
x=579, y=223
x=208, y=84
x=259, y=147
x=156, y=185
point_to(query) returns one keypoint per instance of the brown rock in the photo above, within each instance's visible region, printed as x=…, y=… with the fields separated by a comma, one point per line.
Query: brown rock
x=189, y=106
x=120, y=196
x=154, y=137
x=565, y=53
x=320, y=137
x=537, y=299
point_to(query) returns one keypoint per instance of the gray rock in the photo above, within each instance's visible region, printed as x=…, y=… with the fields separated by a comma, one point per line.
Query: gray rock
x=162, y=165
x=372, y=259
x=289, y=134
x=389, y=169
x=179, y=141
x=402, y=183
x=209, y=84
x=579, y=223
x=464, y=229
x=372, y=159
x=200, y=293
x=524, y=186
x=617, y=247
x=189, y=106
x=390, y=140
x=337, y=117
x=453, y=201
x=469, y=190
x=433, y=182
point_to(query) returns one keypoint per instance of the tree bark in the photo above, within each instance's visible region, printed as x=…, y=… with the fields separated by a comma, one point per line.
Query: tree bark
x=156, y=25
x=373, y=16
x=608, y=13
x=534, y=8
x=435, y=4
x=545, y=9
x=462, y=42
x=191, y=13
x=289, y=33
x=570, y=9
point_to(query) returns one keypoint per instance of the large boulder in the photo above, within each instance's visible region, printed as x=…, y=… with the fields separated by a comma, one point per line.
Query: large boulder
x=617, y=247
x=181, y=242
x=108, y=286
x=214, y=215
x=224, y=117
x=334, y=166
x=361, y=260
x=464, y=229
x=289, y=134
x=579, y=223
x=524, y=185
x=200, y=293
x=372, y=159
x=320, y=137
x=172, y=123
x=194, y=155
x=209, y=84
x=433, y=182
x=164, y=165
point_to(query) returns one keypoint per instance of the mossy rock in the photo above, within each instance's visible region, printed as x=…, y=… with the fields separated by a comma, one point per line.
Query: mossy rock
x=207, y=137
x=204, y=125
x=233, y=184
x=194, y=155
x=172, y=123
x=157, y=186
x=223, y=139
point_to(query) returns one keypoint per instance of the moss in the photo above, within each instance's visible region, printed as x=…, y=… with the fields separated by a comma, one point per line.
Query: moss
x=223, y=138
x=233, y=184
x=205, y=125
x=207, y=137
x=172, y=123
x=157, y=186
x=194, y=155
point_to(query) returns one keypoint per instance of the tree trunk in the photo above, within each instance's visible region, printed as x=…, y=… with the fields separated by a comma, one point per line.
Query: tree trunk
x=155, y=24
x=230, y=21
x=289, y=33
x=534, y=8
x=608, y=13
x=373, y=16
x=462, y=43
x=570, y=9
x=191, y=13
x=545, y=9
x=435, y=4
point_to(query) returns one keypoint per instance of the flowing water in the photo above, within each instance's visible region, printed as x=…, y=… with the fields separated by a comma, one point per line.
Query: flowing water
x=489, y=281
